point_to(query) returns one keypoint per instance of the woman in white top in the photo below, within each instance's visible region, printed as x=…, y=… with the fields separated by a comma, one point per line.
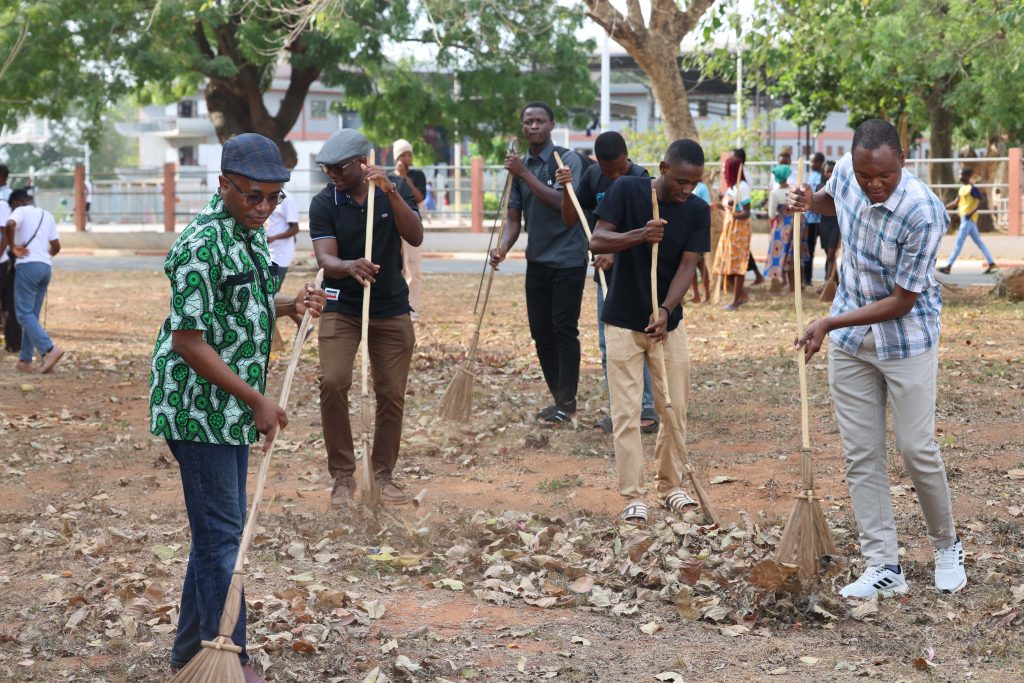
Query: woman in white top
x=31, y=233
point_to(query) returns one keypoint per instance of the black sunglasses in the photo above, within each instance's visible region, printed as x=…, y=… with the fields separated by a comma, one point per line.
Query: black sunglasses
x=338, y=167
x=257, y=198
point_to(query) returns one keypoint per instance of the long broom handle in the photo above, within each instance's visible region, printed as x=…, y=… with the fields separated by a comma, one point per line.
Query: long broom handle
x=364, y=350
x=502, y=205
x=654, y=301
x=806, y=468
x=490, y=278
x=583, y=222
x=261, y=480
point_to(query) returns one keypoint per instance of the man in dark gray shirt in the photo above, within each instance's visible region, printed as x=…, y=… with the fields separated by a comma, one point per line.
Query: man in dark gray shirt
x=556, y=259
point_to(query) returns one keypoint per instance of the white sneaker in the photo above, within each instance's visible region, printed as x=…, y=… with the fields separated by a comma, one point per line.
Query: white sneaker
x=876, y=580
x=950, y=575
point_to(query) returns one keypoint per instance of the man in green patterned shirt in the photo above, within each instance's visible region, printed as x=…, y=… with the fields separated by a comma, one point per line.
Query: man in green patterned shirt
x=209, y=373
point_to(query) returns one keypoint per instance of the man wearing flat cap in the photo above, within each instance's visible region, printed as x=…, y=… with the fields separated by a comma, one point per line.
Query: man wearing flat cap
x=209, y=373
x=337, y=226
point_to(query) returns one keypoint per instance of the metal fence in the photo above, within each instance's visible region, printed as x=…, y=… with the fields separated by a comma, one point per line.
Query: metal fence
x=134, y=198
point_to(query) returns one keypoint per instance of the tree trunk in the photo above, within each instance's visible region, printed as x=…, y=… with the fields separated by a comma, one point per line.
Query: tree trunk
x=655, y=47
x=669, y=91
x=941, y=138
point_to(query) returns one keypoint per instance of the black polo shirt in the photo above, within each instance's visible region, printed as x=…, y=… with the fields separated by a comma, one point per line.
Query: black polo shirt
x=591, y=189
x=627, y=206
x=334, y=215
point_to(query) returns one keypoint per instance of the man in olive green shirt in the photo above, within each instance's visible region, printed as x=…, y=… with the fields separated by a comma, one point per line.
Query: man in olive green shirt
x=209, y=373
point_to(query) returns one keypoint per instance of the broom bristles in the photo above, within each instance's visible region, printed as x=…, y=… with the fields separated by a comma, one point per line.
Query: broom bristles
x=212, y=665
x=457, y=401
x=705, y=502
x=806, y=537
x=367, y=482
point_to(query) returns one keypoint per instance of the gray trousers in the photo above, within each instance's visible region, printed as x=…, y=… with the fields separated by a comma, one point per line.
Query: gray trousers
x=861, y=384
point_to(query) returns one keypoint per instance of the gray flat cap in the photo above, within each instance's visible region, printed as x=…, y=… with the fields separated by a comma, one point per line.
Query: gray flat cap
x=255, y=157
x=344, y=144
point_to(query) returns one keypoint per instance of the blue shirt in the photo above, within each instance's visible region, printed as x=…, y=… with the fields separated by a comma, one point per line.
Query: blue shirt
x=884, y=245
x=813, y=179
x=703, y=192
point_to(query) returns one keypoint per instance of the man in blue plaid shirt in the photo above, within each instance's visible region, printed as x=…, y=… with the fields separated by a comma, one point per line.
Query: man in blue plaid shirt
x=884, y=329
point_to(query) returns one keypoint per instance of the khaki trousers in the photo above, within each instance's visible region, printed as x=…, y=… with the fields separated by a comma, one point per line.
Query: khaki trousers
x=627, y=351
x=390, y=345
x=861, y=384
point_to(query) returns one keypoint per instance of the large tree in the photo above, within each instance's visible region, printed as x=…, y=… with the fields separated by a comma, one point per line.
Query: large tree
x=502, y=51
x=912, y=62
x=654, y=45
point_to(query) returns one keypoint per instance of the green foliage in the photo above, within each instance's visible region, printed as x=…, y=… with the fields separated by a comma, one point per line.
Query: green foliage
x=487, y=59
x=912, y=62
x=648, y=148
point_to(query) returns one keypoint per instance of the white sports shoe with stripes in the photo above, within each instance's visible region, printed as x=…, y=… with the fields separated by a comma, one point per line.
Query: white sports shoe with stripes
x=876, y=580
x=950, y=575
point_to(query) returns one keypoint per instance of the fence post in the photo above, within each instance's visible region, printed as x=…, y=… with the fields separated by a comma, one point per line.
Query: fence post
x=1013, y=207
x=80, y=198
x=170, y=197
x=476, y=192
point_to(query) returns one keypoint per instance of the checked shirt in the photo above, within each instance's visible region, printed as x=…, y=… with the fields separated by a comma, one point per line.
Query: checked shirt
x=884, y=245
x=221, y=283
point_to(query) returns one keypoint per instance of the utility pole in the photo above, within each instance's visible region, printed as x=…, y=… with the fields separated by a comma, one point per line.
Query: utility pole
x=606, y=83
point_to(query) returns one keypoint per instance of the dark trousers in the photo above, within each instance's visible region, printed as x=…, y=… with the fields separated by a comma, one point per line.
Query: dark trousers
x=808, y=263
x=213, y=479
x=553, y=299
x=12, y=330
x=390, y=345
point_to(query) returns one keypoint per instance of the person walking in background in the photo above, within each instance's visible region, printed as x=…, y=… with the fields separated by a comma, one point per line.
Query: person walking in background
x=612, y=163
x=883, y=332
x=556, y=259
x=31, y=233
x=281, y=229
x=967, y=203
x=416, y=181
x=828, y=226
x=734, y=244
x=812, y=220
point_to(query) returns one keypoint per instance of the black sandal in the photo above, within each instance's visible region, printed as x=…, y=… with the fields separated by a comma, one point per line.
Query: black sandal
x=545, y=413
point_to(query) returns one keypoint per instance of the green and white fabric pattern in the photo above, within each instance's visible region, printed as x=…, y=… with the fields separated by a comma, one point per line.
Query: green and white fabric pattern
x=222, y=284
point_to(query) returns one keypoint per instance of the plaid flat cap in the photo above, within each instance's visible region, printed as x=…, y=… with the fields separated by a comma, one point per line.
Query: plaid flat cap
x=344, y=144
x=255, y=157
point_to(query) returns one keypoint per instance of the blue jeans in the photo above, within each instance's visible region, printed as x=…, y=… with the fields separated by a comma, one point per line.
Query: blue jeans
x=213, y=479
x=969, y=228
x=30, y=283
x=647, y=411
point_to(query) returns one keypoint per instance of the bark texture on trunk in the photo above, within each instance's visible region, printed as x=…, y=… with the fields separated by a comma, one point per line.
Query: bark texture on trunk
x=940, y=138
x=235, y=104
x=655, y=47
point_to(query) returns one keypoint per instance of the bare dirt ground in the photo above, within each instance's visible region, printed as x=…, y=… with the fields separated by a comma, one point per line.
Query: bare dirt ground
x=513, y=567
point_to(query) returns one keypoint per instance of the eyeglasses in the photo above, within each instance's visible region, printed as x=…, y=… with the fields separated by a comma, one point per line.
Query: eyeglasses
x=257, y=198
x=338, y=167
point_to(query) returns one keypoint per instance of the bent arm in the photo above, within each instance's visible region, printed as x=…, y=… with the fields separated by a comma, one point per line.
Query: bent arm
x=408, y=222
x=896, y=305
x=204, y=359
x=607, y=240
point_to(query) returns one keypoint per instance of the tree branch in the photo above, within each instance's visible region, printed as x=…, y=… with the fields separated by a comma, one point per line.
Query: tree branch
x=615, y=24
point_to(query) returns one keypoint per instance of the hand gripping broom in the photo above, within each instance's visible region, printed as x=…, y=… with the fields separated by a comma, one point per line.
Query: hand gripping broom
x=367, y=482
x=457, y=402
x=217, y=660
x=673, y=419
x=583, y=222
x=806, y=536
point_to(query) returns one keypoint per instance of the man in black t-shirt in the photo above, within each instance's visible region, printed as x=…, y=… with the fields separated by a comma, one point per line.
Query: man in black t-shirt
x=556, y=260
x=625, y=227
x=337, y=226
x=416, y=181
x=612, y=163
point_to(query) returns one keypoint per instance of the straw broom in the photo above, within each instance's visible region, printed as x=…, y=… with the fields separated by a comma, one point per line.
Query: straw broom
x=583, y=222
x=367, y=482
x=457, y=402
x=828, y=292
x=677, y=431
x=806, y=536
x=217, y=660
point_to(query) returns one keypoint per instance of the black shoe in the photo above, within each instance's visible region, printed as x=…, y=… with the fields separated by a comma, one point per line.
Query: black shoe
x=944, y=269
x=991, y=269
x=546, y=412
